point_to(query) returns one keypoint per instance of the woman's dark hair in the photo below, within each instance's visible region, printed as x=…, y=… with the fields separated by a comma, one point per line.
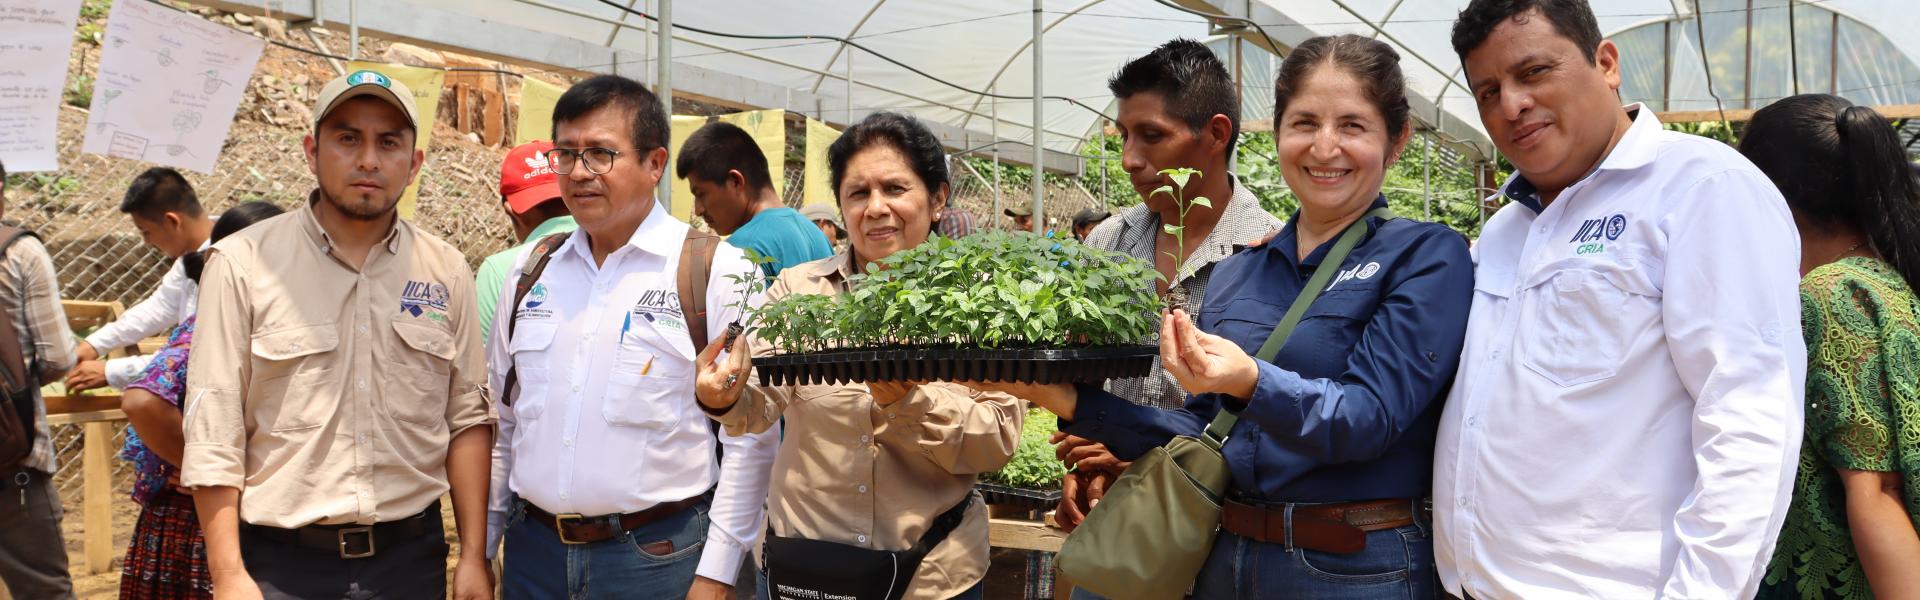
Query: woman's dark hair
x=1839, y=164
x=1371, y=61
x=237, y=218
x=905, y=134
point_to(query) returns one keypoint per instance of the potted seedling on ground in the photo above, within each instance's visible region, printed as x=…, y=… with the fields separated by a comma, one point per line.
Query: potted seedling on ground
x=994, y=306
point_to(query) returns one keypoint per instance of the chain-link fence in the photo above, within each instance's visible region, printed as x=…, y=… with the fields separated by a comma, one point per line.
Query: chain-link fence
x=99, y=256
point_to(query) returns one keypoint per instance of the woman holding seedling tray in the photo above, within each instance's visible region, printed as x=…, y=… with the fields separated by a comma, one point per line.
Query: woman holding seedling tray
x=872, y=491
x=1356, y=319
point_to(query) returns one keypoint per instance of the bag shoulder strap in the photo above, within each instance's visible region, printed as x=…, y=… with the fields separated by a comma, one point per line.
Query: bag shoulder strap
x=529, y=275
x=696, y=266
x=15, y=374
x=1223, y=422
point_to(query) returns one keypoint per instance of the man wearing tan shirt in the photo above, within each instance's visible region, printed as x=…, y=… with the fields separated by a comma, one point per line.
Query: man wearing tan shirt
x=334, y=391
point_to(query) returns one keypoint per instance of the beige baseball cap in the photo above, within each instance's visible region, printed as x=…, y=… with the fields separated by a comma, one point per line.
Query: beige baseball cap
x=365, y=83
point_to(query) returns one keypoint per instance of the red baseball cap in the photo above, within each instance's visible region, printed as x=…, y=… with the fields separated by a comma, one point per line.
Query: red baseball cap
x=526, y=179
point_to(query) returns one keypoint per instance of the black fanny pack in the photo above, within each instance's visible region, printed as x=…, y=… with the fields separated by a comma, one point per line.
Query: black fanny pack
x=802, y=569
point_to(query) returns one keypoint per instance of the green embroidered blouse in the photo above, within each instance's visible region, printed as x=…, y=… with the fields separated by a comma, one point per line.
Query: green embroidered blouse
x=1862, y=327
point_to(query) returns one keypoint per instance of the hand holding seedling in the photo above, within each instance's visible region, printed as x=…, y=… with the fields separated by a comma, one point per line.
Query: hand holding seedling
x=719, y=382
x=1204, y=363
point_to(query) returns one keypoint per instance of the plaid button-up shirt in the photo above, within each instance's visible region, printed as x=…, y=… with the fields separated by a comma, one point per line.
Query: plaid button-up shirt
x=30, y=292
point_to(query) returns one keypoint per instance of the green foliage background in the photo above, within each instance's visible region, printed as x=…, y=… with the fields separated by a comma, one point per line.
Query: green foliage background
x=1034, y=465
x=1259, y=170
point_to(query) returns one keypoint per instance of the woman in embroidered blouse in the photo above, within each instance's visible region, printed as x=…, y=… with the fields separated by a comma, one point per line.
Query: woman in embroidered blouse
x=1850, y=532
x=167, y=557
x=874, y=466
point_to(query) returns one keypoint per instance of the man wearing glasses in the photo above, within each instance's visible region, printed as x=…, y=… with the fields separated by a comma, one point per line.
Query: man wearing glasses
x=605, y=477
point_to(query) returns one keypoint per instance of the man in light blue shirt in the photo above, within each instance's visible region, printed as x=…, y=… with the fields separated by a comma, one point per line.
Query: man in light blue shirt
x=530, y=193
x=732, y=190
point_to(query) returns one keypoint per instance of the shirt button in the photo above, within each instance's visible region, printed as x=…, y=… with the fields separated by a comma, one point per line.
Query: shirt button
x=1473, y=421
x=363, y=328
x=576, y=388
x=863, y=488
x=362, y=384
x=567, y=442
x=563, y=495
x=866, y=439
x=1543, y=228
x=862, y=538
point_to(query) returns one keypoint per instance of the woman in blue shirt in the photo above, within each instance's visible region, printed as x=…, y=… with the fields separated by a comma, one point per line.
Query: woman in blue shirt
x=1337, y=430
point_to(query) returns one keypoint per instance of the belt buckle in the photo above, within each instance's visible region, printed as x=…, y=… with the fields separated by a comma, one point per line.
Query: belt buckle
x=560, y=527
x=344, y=534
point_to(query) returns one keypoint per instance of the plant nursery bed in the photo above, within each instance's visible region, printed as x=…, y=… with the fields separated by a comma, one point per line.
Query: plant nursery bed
x=1020, y=498
x=1032, y=365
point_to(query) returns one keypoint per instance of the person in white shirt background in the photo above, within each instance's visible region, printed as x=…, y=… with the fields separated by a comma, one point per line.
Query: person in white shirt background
x=601, y=428
x=1627, y=412
x=168, y=215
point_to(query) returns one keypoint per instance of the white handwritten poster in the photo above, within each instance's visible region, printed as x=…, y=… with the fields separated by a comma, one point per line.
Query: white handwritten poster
x=169, y=84
x=35, y=37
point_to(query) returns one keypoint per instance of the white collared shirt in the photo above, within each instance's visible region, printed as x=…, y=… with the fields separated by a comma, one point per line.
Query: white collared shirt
x=605, y=420
x=168, y=306
x=1627, y=414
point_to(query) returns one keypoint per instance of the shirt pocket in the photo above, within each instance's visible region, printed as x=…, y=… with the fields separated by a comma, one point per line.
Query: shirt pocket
x=528, y=349
x=1580, y=317
x=422, y=373
x=290, y=360
x=651, y=383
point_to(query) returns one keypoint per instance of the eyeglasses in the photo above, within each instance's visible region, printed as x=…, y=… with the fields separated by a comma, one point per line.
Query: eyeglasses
x=598, y=160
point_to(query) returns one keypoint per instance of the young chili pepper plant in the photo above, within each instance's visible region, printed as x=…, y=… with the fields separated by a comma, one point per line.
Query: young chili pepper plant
x=991, y=306
x=1176, y=295
x=751, y=285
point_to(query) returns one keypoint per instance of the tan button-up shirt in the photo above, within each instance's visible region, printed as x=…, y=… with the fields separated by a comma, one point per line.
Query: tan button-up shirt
x=856, y=473
x=328, y=394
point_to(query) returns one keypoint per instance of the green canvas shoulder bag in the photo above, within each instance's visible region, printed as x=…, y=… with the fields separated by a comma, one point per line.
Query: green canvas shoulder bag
x=1155, y=526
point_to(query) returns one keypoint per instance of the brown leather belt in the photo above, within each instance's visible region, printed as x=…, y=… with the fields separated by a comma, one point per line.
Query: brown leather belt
x=1336, y=528
x=577, y=529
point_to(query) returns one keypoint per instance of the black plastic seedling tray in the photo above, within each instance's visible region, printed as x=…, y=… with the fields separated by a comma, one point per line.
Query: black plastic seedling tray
x=1021, y=498
x=1037, y=365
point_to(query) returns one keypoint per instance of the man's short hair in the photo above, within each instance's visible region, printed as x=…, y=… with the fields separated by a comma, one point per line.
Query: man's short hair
x=649, y=119
x=158, y=191
x=1573, y=19
x=1189, y=78
x=719, y=147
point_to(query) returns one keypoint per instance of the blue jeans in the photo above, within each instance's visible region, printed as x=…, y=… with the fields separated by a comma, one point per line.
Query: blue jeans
x=978, y=592
x=540, y=567
x=1397, y=563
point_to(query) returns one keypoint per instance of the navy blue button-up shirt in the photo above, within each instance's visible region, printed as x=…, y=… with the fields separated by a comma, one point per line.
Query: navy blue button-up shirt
x=1347, y=410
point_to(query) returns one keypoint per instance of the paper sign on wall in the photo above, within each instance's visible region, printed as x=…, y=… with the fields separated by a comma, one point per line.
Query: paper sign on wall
x=36, y=37
x=169, y=84
x=536, y=110
x=425, y=84
x=816, y=179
